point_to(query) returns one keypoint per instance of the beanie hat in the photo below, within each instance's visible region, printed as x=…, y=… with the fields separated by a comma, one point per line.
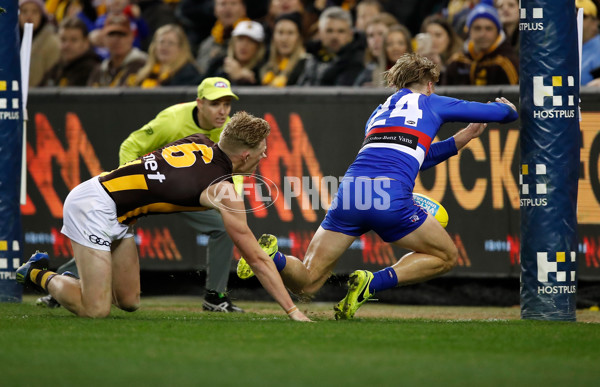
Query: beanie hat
x=294, y=17
x=484, y=10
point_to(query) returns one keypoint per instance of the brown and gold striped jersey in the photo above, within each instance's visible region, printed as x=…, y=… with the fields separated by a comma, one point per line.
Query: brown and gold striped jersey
x=170, y=179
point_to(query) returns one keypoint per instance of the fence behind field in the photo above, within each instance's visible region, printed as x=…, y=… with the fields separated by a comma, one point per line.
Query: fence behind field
x=75, y=134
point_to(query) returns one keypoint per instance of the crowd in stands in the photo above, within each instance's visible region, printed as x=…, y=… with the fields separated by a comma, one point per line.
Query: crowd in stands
x=278, y=43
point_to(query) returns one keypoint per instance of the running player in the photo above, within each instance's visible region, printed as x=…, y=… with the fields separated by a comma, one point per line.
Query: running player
x=376, y=191
x=192, y=174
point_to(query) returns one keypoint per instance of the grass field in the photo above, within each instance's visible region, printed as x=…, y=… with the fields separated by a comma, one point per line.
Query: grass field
x=171, y=342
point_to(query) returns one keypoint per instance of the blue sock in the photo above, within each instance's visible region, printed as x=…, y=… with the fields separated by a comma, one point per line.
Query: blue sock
x=280, y=261
x=383, y=280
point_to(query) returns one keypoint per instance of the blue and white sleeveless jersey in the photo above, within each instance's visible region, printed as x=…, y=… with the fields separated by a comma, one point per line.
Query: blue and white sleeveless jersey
x=399, y=133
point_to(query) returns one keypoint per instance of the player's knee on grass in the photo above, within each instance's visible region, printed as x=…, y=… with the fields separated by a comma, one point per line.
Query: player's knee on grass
x=95, y=311
x=130, y=308
x=128, y=304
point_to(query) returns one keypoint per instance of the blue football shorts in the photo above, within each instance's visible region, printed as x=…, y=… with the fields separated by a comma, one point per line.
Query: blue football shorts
x=383, y=205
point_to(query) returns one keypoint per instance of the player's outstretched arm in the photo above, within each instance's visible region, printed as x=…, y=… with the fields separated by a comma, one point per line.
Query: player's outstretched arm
x=457, y=110
x=223, y=198
x=474, y=130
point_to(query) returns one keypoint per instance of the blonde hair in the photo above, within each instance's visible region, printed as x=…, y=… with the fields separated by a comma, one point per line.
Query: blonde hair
x=244, y=131
x=184, y=57
x=272, y=63
x=383, y=60
x=388, y=20
x=410, y=69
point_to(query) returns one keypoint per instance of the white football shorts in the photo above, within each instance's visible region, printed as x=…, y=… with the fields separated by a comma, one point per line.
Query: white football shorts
x=90, y=217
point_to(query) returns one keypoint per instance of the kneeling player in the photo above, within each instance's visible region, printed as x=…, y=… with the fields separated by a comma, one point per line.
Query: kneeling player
x=190, y=174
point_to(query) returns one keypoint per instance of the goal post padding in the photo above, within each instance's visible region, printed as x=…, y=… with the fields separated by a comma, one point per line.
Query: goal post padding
x=549, y=167
x=11, y=137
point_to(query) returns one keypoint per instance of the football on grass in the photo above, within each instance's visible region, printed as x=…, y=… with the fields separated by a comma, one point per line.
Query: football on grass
x=433, y=207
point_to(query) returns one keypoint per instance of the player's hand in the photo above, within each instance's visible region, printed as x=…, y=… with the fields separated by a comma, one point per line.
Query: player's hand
x=297, y=315
x=475, y=129
x=506, y=102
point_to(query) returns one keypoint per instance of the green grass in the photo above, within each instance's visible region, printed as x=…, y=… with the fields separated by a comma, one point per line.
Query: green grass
x=170, y=342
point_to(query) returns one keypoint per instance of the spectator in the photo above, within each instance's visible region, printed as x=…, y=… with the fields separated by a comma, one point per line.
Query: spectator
x=156, y=13
x=228, y=13
x=118, y=7
x=245, y=55
x=124, y=60
x=445, y=42
x=280, y=7
x=457, y=12
x=508, y=10
x=337, y=58
x=58, y=10
x=590, y=55
x=488, y=58
x=397, y=42
x=287, y=55
x=411, y=13
x=197, y=18
x=77, y=59
x=365, y=11
x=170, y=61
x=45, y=47
x=377, y=28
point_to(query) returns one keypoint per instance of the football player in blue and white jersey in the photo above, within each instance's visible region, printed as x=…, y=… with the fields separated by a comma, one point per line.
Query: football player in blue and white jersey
x=376, y=191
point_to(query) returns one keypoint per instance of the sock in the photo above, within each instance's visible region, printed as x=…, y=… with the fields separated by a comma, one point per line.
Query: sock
x=216, y=293
x=383, y=280
x=41, y=277
x=280, y=261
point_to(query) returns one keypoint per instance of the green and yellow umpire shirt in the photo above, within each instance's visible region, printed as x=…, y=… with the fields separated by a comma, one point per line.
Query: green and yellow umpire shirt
x=171, y=124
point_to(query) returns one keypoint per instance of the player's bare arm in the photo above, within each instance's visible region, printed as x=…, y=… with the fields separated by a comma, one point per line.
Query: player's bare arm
x=473, y=130
x=223, y=198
